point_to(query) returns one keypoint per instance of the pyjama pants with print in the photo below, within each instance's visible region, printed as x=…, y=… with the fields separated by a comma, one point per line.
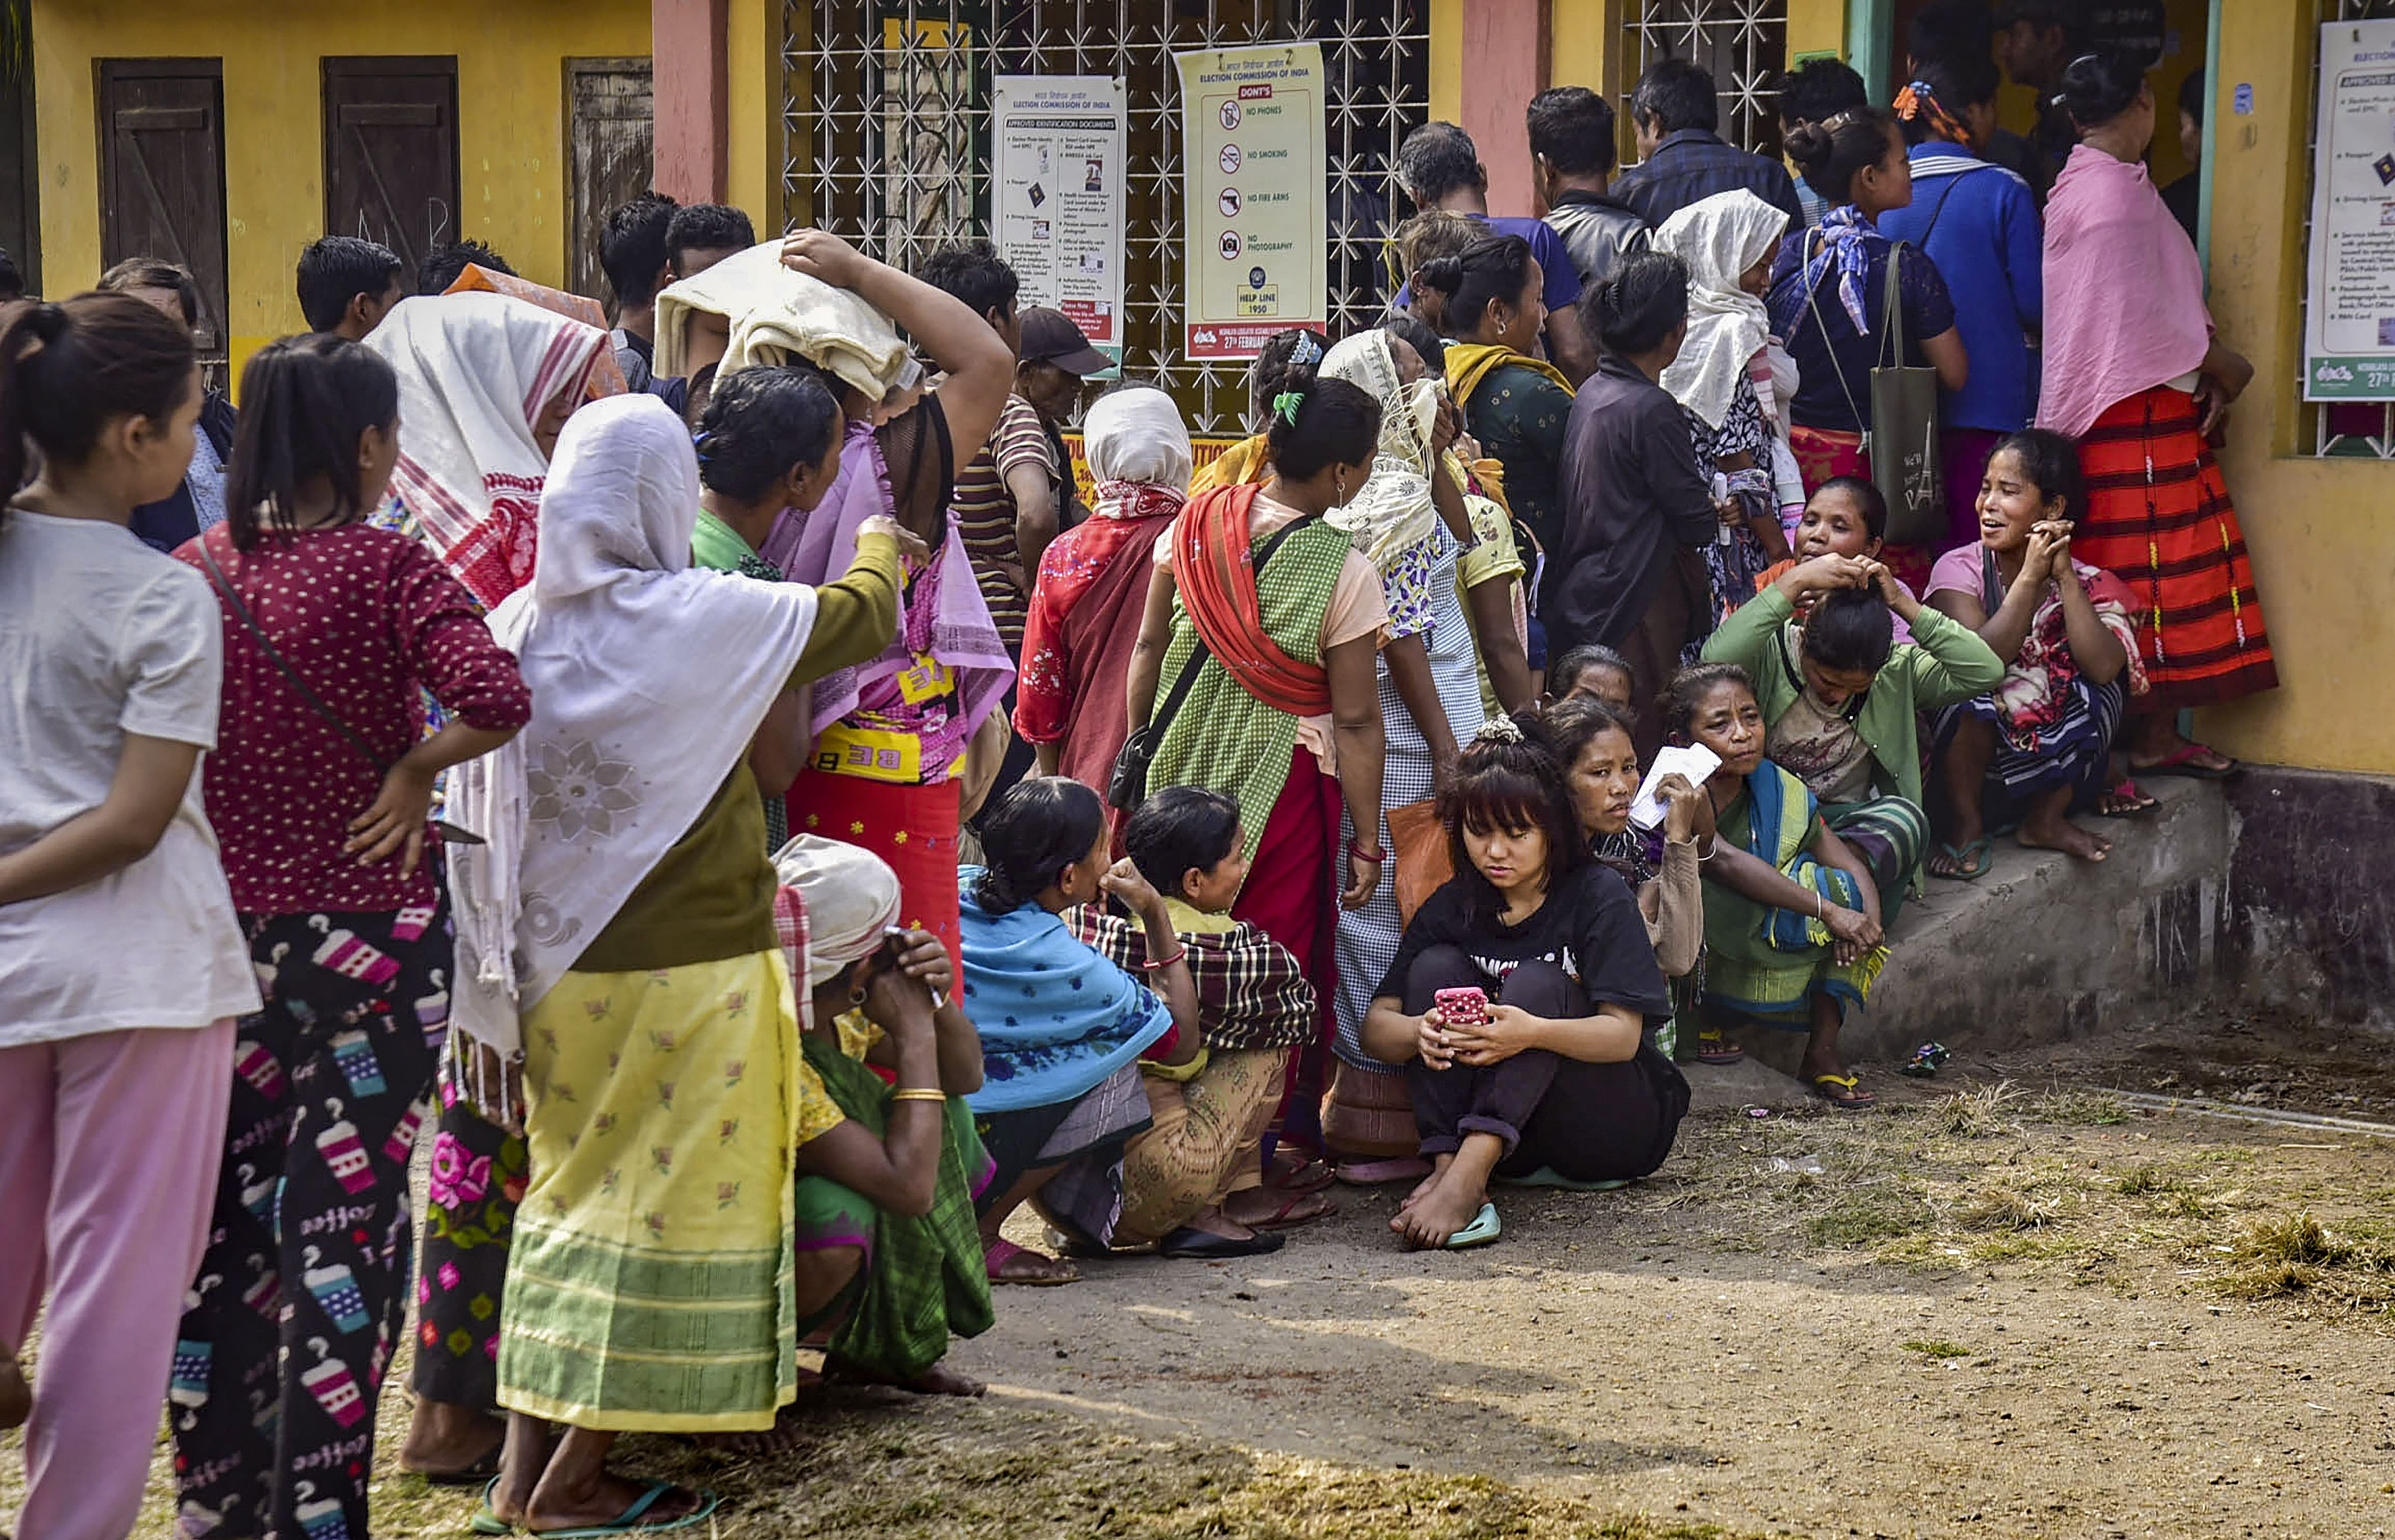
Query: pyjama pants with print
x=107, y=1152
x=303, y=1291
x=1589, y=1122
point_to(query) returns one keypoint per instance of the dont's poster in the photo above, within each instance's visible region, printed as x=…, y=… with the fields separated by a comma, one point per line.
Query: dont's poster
x=1256, y=246
x=1057, y=202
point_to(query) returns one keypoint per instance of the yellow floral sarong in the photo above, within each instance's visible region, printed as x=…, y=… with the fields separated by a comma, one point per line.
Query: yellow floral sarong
x=650, y=1285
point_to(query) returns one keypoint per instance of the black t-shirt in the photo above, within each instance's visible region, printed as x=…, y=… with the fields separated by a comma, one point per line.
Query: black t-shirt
x=1589, y=927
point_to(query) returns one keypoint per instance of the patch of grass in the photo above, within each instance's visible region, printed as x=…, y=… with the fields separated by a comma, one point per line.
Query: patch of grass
x=2140, y=1180
x=1938, y=1347
x=2101, y=1109
x=2294, y=1240
x=1868, y=1216
x=2006, y=1208
x=1981, y=1114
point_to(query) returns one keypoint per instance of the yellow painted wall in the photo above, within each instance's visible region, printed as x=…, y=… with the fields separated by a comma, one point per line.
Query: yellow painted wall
x=1446, y=60
x=510, y=111
x=753, y=175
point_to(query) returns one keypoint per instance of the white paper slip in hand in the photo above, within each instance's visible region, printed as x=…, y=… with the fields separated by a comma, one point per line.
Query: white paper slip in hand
x=1696, y=762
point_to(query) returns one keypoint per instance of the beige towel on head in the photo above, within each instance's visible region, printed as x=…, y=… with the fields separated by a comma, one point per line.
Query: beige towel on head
x=778, y=315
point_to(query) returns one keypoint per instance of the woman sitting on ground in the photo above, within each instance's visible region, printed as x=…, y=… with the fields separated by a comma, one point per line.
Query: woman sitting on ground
x=2035, y=749
x=1592, y=741
x=1800, y=946
x=1550, y=1075
x=1192, y=1183
x=1062, y=1029
x=902, y=1269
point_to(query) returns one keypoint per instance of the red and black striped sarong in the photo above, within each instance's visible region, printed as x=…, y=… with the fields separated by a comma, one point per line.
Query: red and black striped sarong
x=2160, y=520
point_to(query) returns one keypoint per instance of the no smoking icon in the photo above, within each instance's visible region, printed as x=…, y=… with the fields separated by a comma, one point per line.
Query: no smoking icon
x=1229, y=160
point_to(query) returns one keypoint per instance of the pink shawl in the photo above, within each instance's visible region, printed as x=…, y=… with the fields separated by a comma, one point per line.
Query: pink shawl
x=2124, y=291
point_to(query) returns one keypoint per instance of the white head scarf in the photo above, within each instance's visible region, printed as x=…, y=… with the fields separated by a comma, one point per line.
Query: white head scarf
x=1136, y=440
x=474, y=370
x=779, y=315
x=850, y=895
x=1394, y=512
x=648, y=679
x=1719, y=238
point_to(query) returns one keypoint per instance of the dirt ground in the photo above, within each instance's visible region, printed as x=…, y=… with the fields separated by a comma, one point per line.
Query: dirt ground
x=2005, y=1305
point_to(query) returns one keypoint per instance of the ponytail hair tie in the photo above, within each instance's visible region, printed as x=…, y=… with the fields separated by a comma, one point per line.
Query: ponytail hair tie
x=1500, y=730
x=1285, y=406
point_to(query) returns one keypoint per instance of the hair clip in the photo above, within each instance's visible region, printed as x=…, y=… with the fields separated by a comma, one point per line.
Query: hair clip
x=1308, y=349
x=1908, y=101
x=1285, y=406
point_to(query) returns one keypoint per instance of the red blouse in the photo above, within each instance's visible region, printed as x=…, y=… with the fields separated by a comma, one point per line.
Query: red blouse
x=369, y=618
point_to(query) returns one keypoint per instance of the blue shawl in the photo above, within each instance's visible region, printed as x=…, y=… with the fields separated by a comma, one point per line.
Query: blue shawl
x=1780, y=820
x=1055, y=1017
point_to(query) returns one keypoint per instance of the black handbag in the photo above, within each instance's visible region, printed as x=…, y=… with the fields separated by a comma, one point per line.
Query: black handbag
x=448, y=831
x=1127, y=783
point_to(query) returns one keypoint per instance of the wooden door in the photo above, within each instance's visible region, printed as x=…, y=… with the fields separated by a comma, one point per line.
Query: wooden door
x=21, y=211
x=162, y=176
x=610, y=134
x=390, y=154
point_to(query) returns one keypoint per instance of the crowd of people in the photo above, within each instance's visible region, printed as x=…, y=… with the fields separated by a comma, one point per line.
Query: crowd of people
x=722, y=782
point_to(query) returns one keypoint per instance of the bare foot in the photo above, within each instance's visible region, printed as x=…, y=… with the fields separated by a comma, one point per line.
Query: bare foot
x=1009, y=1263
x=937, y=1380
x=2064, y=835
x=1446, y=1209
x=1428, y=1185
x=447, y=1442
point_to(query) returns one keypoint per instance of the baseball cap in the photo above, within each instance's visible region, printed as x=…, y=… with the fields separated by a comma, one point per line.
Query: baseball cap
x=1051, y=337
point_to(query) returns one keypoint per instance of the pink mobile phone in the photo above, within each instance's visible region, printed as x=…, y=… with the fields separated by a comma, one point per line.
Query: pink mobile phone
x=1463, y=1007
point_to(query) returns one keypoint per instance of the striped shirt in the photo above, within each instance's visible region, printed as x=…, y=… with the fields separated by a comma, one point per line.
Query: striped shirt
x=985, y=514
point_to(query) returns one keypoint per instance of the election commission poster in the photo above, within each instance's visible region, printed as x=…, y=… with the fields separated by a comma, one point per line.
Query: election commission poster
x=2349, y=281
x=1057, y=205
x=1255, y=244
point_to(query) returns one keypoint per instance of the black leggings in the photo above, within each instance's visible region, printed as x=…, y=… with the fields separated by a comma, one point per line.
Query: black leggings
x=1588, y=1121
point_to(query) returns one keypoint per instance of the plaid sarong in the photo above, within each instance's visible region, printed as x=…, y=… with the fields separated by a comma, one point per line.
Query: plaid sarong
x=1251, y=991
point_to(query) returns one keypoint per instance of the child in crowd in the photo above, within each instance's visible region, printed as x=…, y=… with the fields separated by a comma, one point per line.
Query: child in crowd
x=1797, y=943
x=121, y=963
x=1193, y=1183
x=319, y=791
x=1520, y=1002
x=2036, y=748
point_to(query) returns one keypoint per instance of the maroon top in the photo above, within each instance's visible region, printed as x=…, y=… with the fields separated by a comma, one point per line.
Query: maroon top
x=369, y=618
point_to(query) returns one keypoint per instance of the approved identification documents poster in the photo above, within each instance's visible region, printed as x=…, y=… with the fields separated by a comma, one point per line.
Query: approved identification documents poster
x=1256, y=249
x=1057, y=203
x=2349, y=273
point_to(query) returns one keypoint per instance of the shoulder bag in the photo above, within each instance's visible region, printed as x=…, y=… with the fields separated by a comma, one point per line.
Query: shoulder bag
x=449, y=832
x=1127, y=785
x=1901, y=434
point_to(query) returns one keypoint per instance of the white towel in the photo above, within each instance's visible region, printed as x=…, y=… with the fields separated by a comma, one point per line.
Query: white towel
x=776, y=314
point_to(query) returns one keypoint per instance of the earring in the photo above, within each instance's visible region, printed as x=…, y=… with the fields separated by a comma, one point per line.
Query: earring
x=856, y=996
x=1339, y=480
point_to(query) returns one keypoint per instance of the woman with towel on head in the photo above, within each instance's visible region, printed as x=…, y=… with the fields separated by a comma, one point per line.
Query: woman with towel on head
x=891, y=732
x=615, y=938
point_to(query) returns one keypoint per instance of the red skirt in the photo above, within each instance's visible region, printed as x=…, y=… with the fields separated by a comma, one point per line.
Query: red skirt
x=1292, y=895
x=2159, y=518
x=913, y=828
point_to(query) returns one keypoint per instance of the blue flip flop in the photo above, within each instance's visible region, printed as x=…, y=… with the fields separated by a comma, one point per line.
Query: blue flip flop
x=631, y=1521
x=486, y=1519
x=1546, y=1176
x=1484, y=1226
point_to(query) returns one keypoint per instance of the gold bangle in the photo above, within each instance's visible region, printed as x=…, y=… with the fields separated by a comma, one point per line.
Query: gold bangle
x=918, y=1092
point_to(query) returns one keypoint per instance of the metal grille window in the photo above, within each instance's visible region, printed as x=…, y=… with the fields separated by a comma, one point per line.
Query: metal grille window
x=1742, y=43
x=2344, y=430
x=886, y=122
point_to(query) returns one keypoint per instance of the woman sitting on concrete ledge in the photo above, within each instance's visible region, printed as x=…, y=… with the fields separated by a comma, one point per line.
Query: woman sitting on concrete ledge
x=2033, y=750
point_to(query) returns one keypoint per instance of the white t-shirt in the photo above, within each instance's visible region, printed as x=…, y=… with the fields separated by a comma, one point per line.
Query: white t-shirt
x=101, y=636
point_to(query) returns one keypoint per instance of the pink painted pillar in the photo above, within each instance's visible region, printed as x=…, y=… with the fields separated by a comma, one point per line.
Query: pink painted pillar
x=690, y=87
x=1504, y=66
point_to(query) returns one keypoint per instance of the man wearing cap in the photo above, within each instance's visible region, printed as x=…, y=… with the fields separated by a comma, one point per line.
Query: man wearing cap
x=1015, y=495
